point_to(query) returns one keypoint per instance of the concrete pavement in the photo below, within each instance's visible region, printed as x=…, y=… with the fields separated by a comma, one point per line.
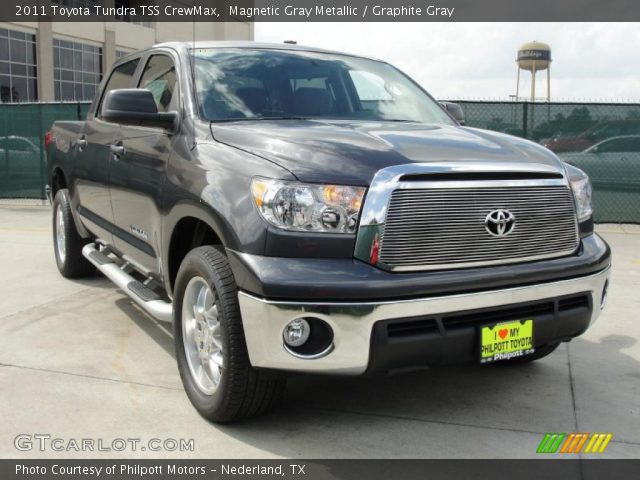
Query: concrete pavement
x=79, y=360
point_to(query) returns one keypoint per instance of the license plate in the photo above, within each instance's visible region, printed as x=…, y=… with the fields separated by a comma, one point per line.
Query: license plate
x=506, y=340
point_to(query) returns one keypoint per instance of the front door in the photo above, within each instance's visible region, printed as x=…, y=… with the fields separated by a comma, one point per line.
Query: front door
x=137, y=182
x=91, y=175
x=94, y=160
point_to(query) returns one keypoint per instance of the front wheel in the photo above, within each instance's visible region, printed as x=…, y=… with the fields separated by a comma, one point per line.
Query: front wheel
x=210, y=345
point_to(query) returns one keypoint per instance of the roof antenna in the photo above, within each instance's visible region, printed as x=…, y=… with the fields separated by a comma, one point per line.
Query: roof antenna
x=291, y=42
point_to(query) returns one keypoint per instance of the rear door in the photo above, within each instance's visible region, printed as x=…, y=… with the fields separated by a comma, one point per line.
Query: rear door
x=94, y=158
x=137, y=181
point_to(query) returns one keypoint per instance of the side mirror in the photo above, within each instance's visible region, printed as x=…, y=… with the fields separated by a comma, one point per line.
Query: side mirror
x=135, y=106
x=455, y=111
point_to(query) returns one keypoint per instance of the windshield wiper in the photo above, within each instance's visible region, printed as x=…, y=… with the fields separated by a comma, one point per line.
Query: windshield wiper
x=300, y=117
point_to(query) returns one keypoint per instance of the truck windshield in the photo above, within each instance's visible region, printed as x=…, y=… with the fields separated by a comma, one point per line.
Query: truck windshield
x=252, y=84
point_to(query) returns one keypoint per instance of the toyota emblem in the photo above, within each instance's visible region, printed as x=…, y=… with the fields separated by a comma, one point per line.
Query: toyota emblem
x=499, y=223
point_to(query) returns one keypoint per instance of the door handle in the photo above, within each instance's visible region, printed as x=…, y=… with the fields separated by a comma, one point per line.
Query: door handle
x=81, y=143
x=117, y=150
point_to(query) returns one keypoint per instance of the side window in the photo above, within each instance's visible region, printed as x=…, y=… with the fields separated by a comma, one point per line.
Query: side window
x=634, y=144
x=20, y=145
x=631, y=128
x=621, y=145
x=609, y=146
x=159, y=77
x=121, y=77
x=614, y=130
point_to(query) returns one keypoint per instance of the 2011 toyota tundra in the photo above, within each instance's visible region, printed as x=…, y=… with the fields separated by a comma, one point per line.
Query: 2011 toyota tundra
x=295, y=209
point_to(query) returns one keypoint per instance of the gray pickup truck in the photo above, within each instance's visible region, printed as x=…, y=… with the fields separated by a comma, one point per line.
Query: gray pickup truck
x=292, y=209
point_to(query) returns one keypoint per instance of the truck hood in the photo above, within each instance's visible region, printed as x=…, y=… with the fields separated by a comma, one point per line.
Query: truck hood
x=350, y=152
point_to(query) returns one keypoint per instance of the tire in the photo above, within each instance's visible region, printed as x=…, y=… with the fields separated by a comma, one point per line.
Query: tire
x=540, y=352
x=67, y=242
x=215, y=346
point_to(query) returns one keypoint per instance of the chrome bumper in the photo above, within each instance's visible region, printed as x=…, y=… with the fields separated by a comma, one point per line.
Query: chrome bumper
x=352, y=323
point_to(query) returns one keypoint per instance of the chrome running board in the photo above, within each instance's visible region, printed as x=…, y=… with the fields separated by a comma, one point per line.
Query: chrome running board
x=146, y=298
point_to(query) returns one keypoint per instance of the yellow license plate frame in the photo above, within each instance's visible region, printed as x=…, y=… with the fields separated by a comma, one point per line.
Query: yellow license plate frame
x=506, y=340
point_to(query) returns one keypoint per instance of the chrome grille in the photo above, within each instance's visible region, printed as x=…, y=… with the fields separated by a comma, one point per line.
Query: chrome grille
x=434, y=228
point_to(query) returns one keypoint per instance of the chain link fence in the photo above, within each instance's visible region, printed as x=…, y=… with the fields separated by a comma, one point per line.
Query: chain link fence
x=603, y=139
x=22, y=157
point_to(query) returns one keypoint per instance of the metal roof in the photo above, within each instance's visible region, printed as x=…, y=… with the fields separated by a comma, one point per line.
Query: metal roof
x=250, y=45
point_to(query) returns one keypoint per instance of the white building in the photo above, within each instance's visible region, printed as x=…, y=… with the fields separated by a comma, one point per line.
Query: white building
x=65, y=61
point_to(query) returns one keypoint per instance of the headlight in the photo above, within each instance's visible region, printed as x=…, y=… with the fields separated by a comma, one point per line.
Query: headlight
x=581, y=187
x=308, y=207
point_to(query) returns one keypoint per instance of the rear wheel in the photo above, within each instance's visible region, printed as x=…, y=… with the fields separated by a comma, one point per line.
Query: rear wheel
x=67, y=242
x=210, y=346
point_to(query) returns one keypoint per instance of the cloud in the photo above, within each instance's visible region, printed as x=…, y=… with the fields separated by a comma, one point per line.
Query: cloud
x=477, y=60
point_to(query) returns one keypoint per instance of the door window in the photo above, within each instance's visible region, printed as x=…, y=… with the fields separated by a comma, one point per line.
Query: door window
x=121, y=77
x=159, y=77
x=629, y=144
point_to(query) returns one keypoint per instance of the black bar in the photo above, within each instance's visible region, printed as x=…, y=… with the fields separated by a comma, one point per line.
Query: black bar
x=118, y=232
x=329, y=11
x=42, y=152
x=565, y=469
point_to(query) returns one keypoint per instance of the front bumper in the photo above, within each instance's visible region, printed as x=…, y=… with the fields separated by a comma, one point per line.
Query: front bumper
x=350, y=280
x=354, y=323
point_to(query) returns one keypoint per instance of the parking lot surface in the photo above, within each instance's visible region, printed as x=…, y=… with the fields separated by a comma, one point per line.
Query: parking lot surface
x=79, y=360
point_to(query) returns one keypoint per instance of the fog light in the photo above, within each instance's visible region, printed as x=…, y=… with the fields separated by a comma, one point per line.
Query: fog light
x=605, y=293
x=297, y=332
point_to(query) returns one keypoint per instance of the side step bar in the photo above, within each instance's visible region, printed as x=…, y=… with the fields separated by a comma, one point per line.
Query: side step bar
x=146, y=298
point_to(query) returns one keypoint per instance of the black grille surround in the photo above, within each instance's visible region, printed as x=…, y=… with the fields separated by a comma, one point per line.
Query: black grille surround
x=441, y=228
x=453, y=338
x=450, y=322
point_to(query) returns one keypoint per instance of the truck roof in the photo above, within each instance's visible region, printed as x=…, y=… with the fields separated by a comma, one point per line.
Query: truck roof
x=250, y=45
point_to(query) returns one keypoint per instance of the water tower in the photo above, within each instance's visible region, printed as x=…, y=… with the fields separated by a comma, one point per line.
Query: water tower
x=534, y=57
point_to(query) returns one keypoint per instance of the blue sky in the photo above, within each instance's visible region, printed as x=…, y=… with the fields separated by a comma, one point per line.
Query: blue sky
x=591, y=61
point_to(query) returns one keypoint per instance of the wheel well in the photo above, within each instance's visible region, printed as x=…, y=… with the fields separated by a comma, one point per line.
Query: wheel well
x=188, y=234
x=58, y=181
